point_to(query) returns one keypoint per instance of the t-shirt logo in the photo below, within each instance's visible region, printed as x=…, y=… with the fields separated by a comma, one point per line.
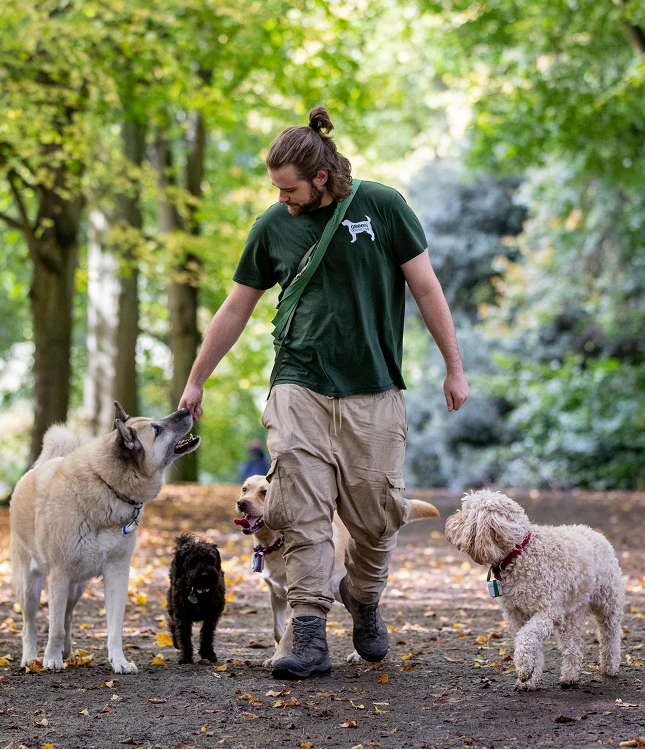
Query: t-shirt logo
x=358, y=227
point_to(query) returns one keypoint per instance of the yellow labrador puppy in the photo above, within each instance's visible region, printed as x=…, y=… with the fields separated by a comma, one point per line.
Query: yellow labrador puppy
x=274, y=569
x=74, y=516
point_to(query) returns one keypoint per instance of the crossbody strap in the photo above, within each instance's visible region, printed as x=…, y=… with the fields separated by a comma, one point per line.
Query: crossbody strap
x=308, y=265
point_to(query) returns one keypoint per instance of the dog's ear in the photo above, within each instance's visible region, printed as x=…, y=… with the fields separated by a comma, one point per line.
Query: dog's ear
x=126, y=436
x=119, y=413
x=489, y=540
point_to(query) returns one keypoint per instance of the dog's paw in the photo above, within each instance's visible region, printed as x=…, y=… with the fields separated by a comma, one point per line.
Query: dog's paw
x=525, y=686
x=28, y=659
x=353, y=657
x=121, y=666
x=268, y=663
x=609, y=670
x=55, y=663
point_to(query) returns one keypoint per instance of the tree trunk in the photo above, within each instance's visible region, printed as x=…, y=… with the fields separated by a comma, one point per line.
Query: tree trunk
x=130, y=216
x=54, y=254
x=183, y=291
x=103, y=289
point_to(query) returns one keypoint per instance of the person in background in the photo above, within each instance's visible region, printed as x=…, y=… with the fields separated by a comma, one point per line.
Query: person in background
x=256, y=462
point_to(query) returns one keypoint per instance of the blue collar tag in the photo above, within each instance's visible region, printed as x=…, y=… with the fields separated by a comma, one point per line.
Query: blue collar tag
x=133, y=522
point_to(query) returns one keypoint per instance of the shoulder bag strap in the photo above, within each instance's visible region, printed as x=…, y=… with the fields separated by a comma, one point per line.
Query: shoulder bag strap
x=306, y=269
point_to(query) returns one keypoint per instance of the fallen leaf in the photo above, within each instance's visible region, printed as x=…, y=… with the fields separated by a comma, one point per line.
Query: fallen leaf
x=255, y=644
x=306, y=744
x=408, y=668
x=447, y=658
x=48, y=746
x=407, y=656
x=115, y=697
x=379, y=711
x=4, y=662
x=83, y=626
x=357, y=705
x=110, y=684
x=41, y=723
x=482, y=639
x=276, y=693
x=633, y=742
x=292, y=702
x=249, y=715
x=35, y=666
x=164, y=639
x=157, y=700
x=222, y=668
x=142, y=599
x=349, y=725
x=383, y=678
x=129, y=741
x=158, y=660
x=106, y=709
x=620, y=704
x=84, y=712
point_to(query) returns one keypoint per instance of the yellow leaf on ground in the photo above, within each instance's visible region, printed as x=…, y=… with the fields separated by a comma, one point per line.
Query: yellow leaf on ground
x=16, y=607
x=4, y=662
x=84, y=712
x=164, y=639
x=48, y=746
x=408, y=668
x=142, y=599
x=383, y=678
x=502, y=651
x=349, y=725
x=158, y=660
x=156, y=700
x=379, y=711
x=222, y=668
x=407, y=656
x=35, y=666
x=83, y=626
x=306, y=744
x=482, y=639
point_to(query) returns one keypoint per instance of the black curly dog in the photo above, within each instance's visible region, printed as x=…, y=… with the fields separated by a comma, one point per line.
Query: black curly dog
x=196, y=594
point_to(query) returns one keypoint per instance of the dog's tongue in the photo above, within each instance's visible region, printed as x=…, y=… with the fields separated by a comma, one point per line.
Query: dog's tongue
x=242, y=522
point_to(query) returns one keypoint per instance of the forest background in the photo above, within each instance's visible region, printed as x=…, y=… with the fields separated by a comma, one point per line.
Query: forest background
x=132, y=143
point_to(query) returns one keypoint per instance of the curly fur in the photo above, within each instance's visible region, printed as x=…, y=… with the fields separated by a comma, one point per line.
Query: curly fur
x=195, y=569
x=562, y=574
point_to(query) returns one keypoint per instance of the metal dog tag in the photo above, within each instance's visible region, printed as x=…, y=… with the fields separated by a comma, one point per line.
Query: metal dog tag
x=133, y=522
x=257, y=562
x=192, y=598
x=495, y=587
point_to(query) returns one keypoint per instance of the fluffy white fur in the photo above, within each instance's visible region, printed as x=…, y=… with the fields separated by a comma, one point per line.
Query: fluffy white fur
x=563, y=573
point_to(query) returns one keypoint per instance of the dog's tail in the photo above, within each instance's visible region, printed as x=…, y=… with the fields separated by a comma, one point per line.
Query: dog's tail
x=421, y=509
x=58, y=442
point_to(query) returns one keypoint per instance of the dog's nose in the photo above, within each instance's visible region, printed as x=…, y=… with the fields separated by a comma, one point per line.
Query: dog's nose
x=243, y=505
x=183, y=412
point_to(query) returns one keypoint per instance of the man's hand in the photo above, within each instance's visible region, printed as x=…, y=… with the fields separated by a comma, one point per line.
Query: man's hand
x=191, y=400
x=455, y=388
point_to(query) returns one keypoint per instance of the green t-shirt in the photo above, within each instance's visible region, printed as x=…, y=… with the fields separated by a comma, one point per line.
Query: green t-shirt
x=346, y=336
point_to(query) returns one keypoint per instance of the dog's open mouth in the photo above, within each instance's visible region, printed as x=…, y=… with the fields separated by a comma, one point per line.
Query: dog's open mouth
x=249, y=524
x=187, y=444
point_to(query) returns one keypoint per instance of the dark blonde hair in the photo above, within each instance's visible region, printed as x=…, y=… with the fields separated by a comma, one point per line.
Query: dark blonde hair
x=310, y=149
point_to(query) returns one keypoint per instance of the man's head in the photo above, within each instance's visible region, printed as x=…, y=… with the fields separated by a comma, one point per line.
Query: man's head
x=305, y=166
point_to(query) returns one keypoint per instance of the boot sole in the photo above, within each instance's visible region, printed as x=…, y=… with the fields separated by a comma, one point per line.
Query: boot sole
x=287, y=673
x=364, y=655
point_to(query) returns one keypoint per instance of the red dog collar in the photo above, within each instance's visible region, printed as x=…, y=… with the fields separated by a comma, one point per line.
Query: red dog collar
x=496, y=570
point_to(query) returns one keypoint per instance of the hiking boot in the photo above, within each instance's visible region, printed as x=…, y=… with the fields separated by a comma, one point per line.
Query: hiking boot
x=370, y=633
x=309, y=653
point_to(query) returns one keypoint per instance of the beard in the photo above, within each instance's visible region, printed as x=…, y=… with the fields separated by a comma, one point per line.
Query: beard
x=316, y=196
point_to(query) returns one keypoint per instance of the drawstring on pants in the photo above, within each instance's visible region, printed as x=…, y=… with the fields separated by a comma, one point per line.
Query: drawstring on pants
x=340, y=413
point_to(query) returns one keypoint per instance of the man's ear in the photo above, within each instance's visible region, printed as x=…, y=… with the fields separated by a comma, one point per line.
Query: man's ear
x=119, y=413
x=126, y=434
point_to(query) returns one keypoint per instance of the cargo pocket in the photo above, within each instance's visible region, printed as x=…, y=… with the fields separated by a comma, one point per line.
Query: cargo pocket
x=278, y=513
x=397, y=507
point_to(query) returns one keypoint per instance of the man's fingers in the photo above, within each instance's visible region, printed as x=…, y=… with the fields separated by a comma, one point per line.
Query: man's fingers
x=198, y=413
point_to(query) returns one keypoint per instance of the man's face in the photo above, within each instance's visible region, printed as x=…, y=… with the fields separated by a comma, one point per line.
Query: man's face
x=301, y=196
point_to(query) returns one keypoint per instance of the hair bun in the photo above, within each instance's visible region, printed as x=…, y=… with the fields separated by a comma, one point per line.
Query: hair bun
x=319, y=120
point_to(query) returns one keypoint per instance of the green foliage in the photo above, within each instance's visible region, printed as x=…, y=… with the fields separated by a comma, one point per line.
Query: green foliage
x=578, y=424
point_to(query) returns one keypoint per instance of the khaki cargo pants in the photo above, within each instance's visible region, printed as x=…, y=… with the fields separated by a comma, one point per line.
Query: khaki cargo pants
x=328, y=454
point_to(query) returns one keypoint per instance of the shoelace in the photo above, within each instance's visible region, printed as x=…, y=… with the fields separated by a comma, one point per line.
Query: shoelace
x=302, y=635
x=369, y=615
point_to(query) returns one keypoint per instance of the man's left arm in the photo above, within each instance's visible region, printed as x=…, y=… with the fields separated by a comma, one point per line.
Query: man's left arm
x=429, y=296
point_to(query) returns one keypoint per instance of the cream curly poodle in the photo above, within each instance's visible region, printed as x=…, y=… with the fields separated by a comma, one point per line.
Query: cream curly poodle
x=551, y=577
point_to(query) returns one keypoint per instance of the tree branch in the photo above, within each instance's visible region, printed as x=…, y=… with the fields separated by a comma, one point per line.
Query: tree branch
x=11, y=221
x=22, y=210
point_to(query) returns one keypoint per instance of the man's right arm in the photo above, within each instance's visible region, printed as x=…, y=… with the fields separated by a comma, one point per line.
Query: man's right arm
x=224, y=330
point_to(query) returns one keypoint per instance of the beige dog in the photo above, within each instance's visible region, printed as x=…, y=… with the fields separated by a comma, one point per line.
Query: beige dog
x=251, y=503
x=550, y=577
x=74, y=516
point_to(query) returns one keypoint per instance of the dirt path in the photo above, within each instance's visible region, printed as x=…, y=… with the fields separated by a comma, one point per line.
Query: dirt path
x=449, y=671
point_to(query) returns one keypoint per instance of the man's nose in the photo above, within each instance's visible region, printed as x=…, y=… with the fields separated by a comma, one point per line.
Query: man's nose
x=283, y=198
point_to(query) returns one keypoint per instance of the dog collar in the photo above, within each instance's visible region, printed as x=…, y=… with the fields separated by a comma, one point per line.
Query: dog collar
x=132, y=524
x=257, y=562
x=496, y=570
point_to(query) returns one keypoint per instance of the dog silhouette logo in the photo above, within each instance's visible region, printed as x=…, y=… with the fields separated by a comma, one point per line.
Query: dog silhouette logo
x=356, y=227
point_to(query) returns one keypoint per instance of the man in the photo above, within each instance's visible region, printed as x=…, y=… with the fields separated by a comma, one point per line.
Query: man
x=336, y=415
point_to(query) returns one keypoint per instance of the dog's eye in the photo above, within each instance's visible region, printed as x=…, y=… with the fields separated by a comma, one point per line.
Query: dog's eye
x=263, y=492
x=243, y=489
